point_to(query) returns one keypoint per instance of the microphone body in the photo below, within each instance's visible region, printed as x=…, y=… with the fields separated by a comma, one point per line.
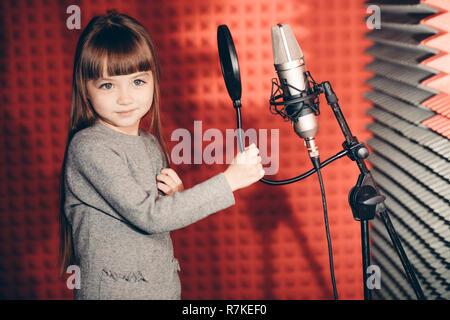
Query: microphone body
x=290, y=67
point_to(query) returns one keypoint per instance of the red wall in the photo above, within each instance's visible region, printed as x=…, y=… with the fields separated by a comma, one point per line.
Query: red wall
x=271, y=244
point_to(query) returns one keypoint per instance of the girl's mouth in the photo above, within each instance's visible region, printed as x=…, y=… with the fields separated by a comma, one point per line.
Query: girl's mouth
x=126, y=113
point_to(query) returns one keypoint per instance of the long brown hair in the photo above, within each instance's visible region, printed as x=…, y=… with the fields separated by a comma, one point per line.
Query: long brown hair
x=127, y=47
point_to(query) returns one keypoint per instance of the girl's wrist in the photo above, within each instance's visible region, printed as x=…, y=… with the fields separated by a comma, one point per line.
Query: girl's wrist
x=233, y=188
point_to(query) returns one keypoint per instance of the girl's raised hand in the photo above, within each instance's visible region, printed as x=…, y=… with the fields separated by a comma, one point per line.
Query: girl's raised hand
x=168, y=182
x=245, y=169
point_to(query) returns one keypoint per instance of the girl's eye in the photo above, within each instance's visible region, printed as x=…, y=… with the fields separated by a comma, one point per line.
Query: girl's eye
x=106, y=86
x=139, y=82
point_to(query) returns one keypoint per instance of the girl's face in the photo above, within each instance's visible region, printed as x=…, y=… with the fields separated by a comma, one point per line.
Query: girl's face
x=121, y=101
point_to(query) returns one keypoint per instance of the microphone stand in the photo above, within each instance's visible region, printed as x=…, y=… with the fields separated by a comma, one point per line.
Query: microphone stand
x=364, y=198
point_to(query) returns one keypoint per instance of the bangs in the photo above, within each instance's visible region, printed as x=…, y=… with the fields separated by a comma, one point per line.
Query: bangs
x=118, y=49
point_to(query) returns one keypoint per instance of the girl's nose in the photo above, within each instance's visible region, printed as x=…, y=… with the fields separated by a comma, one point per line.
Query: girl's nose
x=125, y=97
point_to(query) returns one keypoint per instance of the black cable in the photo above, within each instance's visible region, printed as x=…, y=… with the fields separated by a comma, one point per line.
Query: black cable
x=340, y=154
x=316, y=163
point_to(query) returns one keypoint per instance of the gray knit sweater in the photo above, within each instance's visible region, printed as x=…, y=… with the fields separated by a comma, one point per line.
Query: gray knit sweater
x=121, y=230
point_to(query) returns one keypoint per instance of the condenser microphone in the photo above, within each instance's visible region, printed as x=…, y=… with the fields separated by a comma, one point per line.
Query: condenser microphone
x=290, y=66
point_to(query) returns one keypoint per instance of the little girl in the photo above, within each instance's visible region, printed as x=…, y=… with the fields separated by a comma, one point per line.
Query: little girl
x=119, y=198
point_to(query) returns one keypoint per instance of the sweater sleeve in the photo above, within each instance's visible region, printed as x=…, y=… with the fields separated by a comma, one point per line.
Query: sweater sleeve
x=102, y=169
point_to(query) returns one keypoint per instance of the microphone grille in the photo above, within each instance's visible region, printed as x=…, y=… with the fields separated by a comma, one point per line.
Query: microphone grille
x=285, y=46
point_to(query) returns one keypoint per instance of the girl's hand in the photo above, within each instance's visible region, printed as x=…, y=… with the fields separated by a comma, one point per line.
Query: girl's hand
x=169, y=182
x=245, y=169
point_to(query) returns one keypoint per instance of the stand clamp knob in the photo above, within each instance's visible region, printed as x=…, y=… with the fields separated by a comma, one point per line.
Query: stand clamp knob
x=363, y=201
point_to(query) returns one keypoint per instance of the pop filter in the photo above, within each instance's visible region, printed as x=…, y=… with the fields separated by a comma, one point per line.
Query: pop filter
x=229, y=63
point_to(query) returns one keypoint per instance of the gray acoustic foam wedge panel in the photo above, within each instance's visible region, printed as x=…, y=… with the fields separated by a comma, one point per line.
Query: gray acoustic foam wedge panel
x=410, y=160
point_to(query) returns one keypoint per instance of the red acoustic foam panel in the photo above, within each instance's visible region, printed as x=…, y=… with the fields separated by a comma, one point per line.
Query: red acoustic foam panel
x=35, y=60
x=439, y=124
x=271, y=244
x=441, y=62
